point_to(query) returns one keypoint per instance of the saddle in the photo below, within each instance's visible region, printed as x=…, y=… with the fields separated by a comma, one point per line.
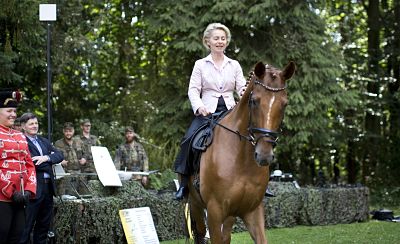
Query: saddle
x=203, y=136
x=202, y=139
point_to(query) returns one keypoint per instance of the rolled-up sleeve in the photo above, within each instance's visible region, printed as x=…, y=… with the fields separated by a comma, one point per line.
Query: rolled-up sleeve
x=240, y=80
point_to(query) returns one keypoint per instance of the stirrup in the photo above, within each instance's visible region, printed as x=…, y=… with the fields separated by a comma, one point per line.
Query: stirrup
x=180, y=194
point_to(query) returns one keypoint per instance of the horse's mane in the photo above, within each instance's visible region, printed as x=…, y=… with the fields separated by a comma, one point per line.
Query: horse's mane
x=250, y=83
x=271, y=68
x=245, y=98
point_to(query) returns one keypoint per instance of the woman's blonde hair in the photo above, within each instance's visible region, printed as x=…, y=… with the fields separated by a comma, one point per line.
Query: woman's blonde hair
x=215, y=26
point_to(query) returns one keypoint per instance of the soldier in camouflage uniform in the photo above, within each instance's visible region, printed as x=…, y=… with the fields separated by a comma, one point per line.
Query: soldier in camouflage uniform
x=131, y=156
x=72, y=148
x=88, y=141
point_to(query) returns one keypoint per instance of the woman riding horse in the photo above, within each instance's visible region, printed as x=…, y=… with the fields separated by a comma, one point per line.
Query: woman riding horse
x=213, y=82
x=234, y=170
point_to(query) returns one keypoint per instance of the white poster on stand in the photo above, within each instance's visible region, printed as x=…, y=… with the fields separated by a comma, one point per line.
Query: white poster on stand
x=105, y=167
x=138, y=226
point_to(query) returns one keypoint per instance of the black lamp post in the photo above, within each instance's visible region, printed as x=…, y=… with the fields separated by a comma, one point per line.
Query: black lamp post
x=48, y=13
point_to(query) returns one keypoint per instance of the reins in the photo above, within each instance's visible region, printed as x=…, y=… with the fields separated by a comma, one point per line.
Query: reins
x=248, y=138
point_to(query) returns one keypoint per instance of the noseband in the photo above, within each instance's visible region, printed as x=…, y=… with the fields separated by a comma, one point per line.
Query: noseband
x=271, y=134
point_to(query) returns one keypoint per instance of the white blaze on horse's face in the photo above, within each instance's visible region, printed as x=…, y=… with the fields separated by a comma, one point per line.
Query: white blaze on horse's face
x=267, y=116
x=267, y=105
x=271, y=103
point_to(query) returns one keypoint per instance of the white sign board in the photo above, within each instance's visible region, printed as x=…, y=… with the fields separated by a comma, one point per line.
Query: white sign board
x=138, y=226
x=47, y=12
x=105, y=167
x=59, y=171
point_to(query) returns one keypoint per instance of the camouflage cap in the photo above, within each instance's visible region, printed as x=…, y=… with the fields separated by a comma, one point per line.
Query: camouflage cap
x=130, y=129
x=85, y=121
x=9, y=98
x=68, y=125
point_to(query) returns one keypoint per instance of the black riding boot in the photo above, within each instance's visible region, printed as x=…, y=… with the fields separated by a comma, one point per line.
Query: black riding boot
x=183, y=188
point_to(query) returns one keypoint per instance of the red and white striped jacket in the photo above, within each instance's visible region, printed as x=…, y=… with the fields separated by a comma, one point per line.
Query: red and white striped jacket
x=15, y=161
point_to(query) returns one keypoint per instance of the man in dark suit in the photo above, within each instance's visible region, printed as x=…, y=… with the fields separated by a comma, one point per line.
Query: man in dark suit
x=44, y=155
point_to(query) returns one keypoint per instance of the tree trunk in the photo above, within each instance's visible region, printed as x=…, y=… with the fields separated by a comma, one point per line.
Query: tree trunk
x=393, y=102
x=351, y=163
x=372, y=120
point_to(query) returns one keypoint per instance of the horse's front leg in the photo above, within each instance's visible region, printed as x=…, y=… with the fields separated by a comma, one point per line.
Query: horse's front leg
x=214, y=221
x=255, y=223
x=227, y=229
x=197, y=213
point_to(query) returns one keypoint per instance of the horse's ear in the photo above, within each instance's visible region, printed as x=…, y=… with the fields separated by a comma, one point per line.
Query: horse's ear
x=289, y=70
x=259, y=69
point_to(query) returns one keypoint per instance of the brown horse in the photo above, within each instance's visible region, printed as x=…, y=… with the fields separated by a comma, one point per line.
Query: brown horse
x=234, y=170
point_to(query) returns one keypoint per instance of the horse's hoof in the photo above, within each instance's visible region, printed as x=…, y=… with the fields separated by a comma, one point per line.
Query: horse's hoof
x=268, y=193
x=180, y=194
x=201, y=240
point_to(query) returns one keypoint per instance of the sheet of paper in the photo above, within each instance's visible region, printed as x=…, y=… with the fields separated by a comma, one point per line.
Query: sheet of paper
x=105, y=167
x=138, y=226
x=59, y=171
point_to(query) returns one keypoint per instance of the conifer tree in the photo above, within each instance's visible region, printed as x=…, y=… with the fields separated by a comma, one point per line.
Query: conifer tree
x=274, y=32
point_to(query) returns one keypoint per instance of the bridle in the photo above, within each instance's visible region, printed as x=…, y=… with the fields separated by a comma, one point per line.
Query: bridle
x=252, y=138
x=271, y=134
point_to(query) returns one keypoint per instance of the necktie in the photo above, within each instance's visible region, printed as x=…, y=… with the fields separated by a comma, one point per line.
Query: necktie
x=36, y=143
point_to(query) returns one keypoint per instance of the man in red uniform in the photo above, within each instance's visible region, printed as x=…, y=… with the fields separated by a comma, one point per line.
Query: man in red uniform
x=17, y=172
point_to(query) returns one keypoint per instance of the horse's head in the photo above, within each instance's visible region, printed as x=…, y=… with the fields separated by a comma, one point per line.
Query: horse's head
x=267, y=103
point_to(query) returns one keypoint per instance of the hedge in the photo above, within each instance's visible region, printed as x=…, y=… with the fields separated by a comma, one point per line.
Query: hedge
x=96, y=219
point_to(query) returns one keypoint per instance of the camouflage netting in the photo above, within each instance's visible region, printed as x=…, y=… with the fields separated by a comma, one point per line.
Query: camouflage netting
x=313, y=206
x=96, y=220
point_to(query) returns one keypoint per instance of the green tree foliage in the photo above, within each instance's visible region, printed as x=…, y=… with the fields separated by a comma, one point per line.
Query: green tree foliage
x=121, y=63
x=22, y=46
x=368, y=34
x=275, y=32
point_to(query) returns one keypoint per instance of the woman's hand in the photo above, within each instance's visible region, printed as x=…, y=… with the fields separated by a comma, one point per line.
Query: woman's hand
x=203, y=111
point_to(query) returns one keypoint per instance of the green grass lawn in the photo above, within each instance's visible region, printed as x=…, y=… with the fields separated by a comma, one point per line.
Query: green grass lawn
x=373, y=231
x=368, y=232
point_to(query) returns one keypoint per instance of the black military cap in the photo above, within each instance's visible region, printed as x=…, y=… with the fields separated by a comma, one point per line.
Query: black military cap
x=9, y=98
